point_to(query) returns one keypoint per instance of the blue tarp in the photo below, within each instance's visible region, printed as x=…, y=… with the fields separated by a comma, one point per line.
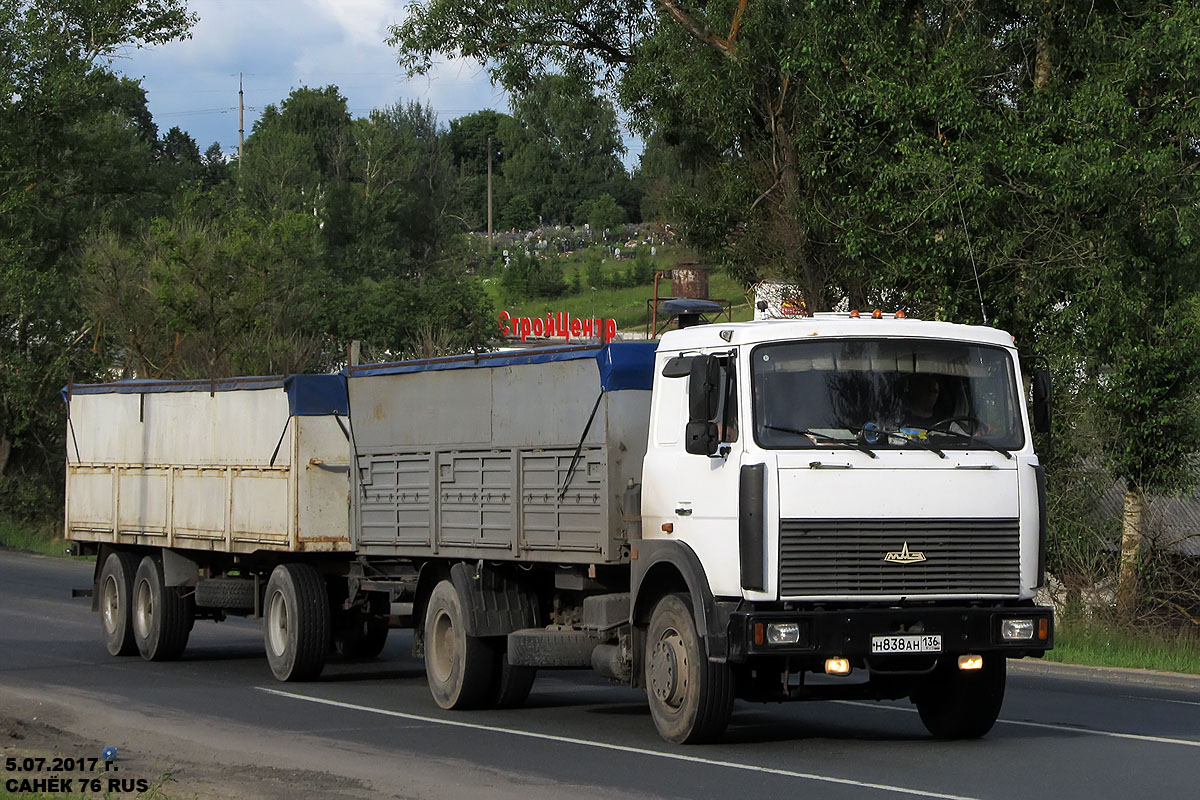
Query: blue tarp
x=308, y=395
x=622, y=365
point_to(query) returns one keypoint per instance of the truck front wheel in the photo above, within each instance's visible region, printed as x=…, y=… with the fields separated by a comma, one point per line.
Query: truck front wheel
x=296, y=622
x=162, y=618
x=116, y=591
x=691, y=698
x=961, y=704
x=459, y=667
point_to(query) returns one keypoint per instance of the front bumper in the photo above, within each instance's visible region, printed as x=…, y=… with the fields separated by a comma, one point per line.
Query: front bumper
x=847, y=632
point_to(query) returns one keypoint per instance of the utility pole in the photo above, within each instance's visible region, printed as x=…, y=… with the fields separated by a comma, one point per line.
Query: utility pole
x=489, y=195
x=241, y=125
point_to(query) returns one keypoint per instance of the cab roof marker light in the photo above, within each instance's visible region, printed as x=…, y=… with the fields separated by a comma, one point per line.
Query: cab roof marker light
x=854, y=313
x=900, y=314
x=877, y=314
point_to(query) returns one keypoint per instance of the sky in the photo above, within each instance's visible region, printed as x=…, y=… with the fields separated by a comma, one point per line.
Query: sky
x=280, y=45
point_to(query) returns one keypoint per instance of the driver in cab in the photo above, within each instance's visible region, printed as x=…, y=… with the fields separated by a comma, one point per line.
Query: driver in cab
x=920, y=400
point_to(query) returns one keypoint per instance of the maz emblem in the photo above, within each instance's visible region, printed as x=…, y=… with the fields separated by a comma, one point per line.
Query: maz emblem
x=905, y=556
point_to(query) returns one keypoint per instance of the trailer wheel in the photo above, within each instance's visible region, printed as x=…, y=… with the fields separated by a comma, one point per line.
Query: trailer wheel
x=116, y=591
x=162, y=618
x=691, y=698
x=296, y=622
x=360, y=634
x=511, y=684
x=459, y=667
x=957, y=704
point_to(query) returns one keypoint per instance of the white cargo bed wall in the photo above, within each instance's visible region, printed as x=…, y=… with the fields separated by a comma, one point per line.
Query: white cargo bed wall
x=473, y=462
x=192, y=470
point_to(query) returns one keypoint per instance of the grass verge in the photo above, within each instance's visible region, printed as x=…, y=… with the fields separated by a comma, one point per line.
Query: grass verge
x=31, y=537
x=1097, y=644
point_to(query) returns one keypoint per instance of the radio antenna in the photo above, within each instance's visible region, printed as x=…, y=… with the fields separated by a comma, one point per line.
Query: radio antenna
x=970, y=250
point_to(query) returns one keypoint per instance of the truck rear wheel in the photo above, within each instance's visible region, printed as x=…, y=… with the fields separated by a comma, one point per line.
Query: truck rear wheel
x=296, y=622
x=511, y=684
x=162, y=618
x=691, y=698
x=459, y=667
x=958, y=704
x=116, y=591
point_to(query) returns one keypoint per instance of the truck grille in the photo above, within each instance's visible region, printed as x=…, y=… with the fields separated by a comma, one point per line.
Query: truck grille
x=850, y=557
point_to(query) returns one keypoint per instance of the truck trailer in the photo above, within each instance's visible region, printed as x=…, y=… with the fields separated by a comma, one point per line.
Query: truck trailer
x=838, y=506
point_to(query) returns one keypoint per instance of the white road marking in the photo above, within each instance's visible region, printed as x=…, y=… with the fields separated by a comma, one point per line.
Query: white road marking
x=1048, y=726
x=1161, y=700
x=787, y=773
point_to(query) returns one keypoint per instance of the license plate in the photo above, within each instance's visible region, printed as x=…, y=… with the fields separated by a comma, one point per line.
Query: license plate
x=911, y=643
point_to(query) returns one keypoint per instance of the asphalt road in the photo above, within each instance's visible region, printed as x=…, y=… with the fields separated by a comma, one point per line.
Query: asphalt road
x=371, y=729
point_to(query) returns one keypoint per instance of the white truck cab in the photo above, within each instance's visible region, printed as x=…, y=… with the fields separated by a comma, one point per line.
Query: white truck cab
x=860, y=495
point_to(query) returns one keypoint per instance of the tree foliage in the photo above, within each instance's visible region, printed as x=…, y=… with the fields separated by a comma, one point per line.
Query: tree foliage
x=1031, y=163
x=77, y=147
x=561, y=147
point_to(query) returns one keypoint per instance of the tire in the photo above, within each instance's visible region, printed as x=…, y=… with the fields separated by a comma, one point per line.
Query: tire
x=116, y=591
x=362, y=634
x=162, y=619
x=459, y=667
x=296, y=622
x=233, y=593
x=691, y=698
x=955, y=704
x=510, y=684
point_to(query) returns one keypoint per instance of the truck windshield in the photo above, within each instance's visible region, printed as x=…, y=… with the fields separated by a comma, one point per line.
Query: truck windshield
x=885, y=393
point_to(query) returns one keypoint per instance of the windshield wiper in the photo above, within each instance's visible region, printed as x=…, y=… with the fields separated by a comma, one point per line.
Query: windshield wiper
x=859, y=446
x=968, y=438
x=916, y=440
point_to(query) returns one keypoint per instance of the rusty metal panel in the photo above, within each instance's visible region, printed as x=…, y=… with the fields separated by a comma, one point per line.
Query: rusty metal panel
x=689, y=280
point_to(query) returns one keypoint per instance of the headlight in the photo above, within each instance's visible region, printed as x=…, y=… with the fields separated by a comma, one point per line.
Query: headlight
x=783, y=632
x=1016, y=630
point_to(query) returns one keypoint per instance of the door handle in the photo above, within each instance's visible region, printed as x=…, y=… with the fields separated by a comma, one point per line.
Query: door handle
x=683, y=512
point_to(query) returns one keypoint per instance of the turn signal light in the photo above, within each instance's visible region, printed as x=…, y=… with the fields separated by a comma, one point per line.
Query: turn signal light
x=759, y=633
x=972, y=662
x=837, y=666
x=1043, y=629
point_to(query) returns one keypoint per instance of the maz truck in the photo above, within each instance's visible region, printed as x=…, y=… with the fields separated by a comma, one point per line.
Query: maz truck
x=826, y=507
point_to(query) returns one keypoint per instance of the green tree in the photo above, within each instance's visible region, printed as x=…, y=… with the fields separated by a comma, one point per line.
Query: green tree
x=77, y=149
x=1027, y=163
x=518, y=214
x=561, y=146
x=603, y=214
x=197, y=299
x=467, y=141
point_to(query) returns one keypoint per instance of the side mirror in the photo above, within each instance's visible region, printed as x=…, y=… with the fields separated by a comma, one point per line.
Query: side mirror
x=1042, y=407
x=701, y=437
x=703, y=388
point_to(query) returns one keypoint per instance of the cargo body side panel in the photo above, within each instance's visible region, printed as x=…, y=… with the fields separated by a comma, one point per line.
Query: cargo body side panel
x=492, y=462
x=193, y=470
